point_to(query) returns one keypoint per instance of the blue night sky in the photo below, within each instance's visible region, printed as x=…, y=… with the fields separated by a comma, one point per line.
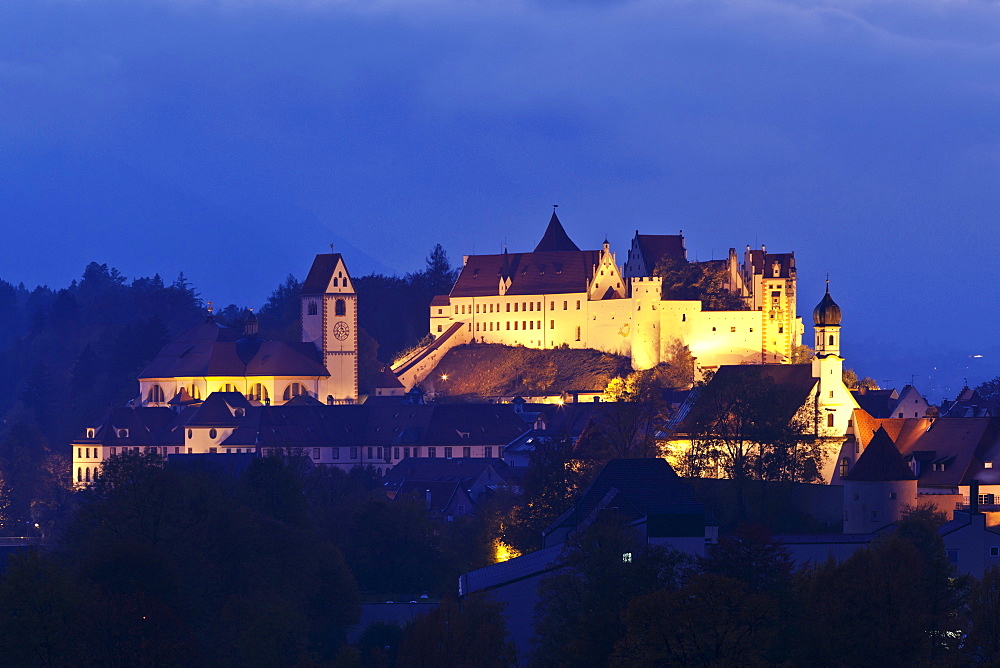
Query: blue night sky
x=232, y=140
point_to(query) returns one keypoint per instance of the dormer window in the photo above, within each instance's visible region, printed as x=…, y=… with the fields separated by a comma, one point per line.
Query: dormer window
x=91, y=433
x=122, y=433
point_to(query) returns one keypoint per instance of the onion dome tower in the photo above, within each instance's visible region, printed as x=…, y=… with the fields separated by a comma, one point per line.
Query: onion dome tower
x=826, y=318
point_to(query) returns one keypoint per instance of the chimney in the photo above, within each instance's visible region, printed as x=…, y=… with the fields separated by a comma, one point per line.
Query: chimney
x=974, y=497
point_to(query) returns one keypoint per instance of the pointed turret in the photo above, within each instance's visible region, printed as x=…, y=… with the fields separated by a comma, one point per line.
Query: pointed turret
x=555, y=238
x=880, y=462
x=878, y=487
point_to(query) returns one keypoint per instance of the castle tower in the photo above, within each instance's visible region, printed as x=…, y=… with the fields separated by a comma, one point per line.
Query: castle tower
x=878, y=487
x=330, y=322
x=645, y=334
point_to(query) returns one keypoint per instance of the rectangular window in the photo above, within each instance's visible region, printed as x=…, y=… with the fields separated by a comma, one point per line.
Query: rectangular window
x=395, y=453
x=531, y=324
x=515, y=307
x=524, y=306
x=952, y=556
x=406, y=453
x=732, y=329
x=439, y=328
x=354, y=453
x=477, y=326
x=113, y=451
x=515, y=324
x=229, y=451
x=432, y=452
x=477, y=308
x=316, y=453
x=565, y=305
x=531, y=306
x=447, y=453
x=466, y=451
x=335, y=453
x=461, y=511
x=539, y=323
x=995, y=551
x=378, y=452
x=552, y=306
x=369, y=452
x=539, y=306
x=213, y=451
x=416, y=452
x=79, y=453
x=577, y=304
x=552, y=324
x=508, y=324
x=500, y=452
x=190, y=450
x=508, y=307
x=488, y=452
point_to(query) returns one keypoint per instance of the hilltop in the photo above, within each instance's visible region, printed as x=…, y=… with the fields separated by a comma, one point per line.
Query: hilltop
x=489, y=369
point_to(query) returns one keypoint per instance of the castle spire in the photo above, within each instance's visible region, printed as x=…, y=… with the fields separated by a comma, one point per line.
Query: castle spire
x=555, y=237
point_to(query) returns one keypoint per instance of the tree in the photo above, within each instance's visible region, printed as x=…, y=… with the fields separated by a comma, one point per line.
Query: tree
x=469, y=634
x=853, y=382
x=579, y=611
x=280, y=317
x=990, y=390
x=745, y=426
x=703, y=281
x=982, y=646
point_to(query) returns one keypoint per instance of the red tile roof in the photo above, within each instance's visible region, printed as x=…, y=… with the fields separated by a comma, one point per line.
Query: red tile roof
x=550, y=272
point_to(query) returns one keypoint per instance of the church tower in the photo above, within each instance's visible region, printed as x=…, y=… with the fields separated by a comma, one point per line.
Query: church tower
x=826, y=318
x=330, y=322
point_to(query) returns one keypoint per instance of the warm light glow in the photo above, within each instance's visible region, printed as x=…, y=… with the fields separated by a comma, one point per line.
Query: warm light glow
x=503, y=552
x=444, y=376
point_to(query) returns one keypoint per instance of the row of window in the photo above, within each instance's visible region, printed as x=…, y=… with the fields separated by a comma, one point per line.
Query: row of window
x=524, y=326
x=257, y=392
x=460, y=309
x=401, y=452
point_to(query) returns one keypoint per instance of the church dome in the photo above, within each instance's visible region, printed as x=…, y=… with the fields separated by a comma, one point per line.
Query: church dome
x=827, y=312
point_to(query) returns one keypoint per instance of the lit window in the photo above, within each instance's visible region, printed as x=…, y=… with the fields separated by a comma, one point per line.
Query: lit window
x=156, y=394
x=294, y=390
x=627, y=558
x=987, y=465
x=845, y=465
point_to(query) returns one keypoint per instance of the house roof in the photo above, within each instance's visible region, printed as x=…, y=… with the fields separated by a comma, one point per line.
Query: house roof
x=877, y=403
x=220, y=409
x=541, y=272
x=137, y=426
x=951, y=451
x=880, y=461
x=658, y=247
x=555, y=238
x=465, y=470
x=637, y=488
x=321, y=273
x=442, y=493
x=211, y=350
x=762, y=262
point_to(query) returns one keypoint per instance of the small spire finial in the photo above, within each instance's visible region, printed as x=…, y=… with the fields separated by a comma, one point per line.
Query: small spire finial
x=554, y=207
x=828, y=282
x=331, y=248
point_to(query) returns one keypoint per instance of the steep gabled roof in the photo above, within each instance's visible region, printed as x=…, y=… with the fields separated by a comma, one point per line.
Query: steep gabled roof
x=880, y=462
x=321, y=273
x=656, y=248
x=555, y=238
x=549, y=272
x=637, y=488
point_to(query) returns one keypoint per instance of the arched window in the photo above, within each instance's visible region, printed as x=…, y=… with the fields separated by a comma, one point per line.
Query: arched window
x=258, y=392
x=88, y=474
x=294, y=390
x=156, y=394
x=312, y=308
x=829, y=419
x=844, y=466
x=79, y=474
x=831, y=339
x=195, y=392
x=340, y=308
x=335, y=282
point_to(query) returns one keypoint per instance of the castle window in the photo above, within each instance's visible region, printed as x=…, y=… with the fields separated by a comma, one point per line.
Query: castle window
x=781, y=330
x=395, y=453
x=565, y=305
x=508, y=324
x=152, y=450
x=477, y=326
x=552, y=324
x=87, y=456
x=577, y=304
x=477, y=308
x=79, y=474
x=335, y=283
x=531, y=306
x=91, y=432
x=829, y=419
x=439, y=328
x=312, y=309
x=531, y=324
x=515, y=307
x=406, y=453
x=552, y=306
x=156, y=394
x=713, y=329
x=831, y=396
x=539, y=324
x=508, y=307
x=88, y=474
x=212, y=433
x=578, y=332
x=524, y=324
x=684, y=317
x=340, y=307
x=113, y=451
x=466, y=451
x=539, y=306
x=845, y=465
x=335, y=453
x=447, y=453
x=515, y=324
x=488, y=452
x=190, y=433
x=316, y=454
x=732, y=329
x=456, y=309
x=432, y=452
x=293, y=390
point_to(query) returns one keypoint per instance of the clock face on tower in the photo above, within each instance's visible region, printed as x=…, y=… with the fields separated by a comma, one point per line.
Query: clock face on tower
x=341, y=330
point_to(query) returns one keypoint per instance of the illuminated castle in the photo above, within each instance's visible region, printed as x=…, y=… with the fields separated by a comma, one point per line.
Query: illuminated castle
x=559, y=295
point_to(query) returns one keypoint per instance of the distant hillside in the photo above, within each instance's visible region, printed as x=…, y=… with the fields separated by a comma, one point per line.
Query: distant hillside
x=493, y=369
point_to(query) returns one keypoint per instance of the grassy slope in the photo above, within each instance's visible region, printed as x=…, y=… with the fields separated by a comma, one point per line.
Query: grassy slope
x=492, y=369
